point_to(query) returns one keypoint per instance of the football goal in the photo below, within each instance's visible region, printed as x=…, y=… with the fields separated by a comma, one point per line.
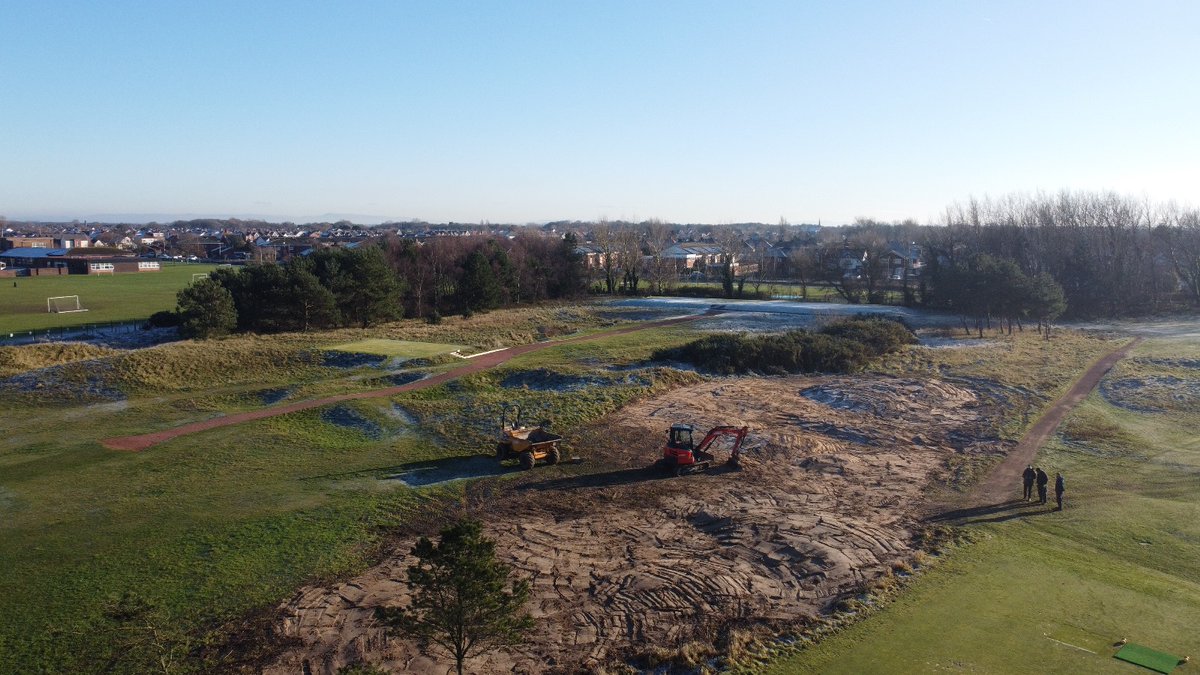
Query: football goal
x=197, y=276
x=64, y=304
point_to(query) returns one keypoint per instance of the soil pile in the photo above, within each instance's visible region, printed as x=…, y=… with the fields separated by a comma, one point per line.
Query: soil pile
x=827, y=499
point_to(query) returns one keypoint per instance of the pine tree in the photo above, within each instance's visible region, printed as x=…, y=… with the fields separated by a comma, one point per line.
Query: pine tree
x=206, y=310
x=463, y=600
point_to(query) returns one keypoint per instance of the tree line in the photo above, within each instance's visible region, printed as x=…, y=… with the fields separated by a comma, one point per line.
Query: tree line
x=378, y=282
x=1112, y=255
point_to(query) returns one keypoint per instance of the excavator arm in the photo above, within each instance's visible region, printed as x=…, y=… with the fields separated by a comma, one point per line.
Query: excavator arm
x=738, y=434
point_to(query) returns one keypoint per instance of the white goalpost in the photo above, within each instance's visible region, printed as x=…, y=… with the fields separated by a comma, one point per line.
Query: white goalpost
x=197, y=276
x=64, y=304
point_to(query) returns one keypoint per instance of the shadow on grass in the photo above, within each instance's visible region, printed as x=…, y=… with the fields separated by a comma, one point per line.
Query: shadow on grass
x=993, y=513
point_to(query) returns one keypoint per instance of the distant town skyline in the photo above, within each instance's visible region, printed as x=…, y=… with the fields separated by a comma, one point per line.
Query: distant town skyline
x=542, y=111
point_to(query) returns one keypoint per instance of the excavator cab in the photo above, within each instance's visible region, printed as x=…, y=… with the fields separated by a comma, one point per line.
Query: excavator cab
x=680, y=437
x=680, y=455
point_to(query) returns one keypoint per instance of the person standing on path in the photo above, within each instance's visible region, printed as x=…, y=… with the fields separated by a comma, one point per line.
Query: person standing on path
x=1042, y=481
x=1059, y=489
x=1028, y=478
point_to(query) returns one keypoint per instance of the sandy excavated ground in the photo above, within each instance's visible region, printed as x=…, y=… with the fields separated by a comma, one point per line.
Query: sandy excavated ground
x=620, y=559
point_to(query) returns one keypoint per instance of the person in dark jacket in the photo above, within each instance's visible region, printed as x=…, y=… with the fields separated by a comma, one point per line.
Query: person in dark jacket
x=1059, y=489
x=1042, y=481
x=1028, y=478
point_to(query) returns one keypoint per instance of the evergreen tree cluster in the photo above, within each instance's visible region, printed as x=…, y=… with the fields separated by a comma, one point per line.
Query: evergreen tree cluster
x=332, y=287
x=373, y=284
x=982, y=287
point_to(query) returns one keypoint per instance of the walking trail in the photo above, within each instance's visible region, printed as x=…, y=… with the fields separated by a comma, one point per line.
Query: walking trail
x=483, y=362
x=1004, y=481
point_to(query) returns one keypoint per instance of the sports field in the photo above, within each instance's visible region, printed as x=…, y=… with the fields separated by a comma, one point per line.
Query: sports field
x=115, y=297
x=1042, y=591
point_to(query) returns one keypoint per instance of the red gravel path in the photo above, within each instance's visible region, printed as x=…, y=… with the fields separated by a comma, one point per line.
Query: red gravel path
x=1004, y=481
x=480, y=363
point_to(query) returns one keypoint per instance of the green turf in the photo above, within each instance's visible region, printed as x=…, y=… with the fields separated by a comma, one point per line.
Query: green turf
x=1148, y=658
x=402, y=348
x=1054, y=592
x=107, y=297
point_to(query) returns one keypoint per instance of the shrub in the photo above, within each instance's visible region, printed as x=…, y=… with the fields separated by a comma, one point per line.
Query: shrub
x=434, y=318
x=843, y=347
x=880, y=335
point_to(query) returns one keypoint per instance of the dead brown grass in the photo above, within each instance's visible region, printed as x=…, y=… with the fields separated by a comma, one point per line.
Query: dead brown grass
x=24, y=358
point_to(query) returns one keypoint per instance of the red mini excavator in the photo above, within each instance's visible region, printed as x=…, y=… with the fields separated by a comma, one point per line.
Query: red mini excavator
x=680, y=456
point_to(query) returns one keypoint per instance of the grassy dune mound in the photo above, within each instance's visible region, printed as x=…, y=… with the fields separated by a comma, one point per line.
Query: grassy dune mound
x=24, y=358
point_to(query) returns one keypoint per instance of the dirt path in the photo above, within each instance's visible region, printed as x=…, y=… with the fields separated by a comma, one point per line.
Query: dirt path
x=1004, y=481
x=483, y=362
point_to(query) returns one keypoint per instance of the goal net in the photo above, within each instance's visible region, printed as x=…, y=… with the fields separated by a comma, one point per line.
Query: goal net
x=197, y=276
x=64, y=304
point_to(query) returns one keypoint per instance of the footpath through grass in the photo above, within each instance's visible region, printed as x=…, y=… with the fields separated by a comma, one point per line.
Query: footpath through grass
x=1053, y=592
x=107, y=297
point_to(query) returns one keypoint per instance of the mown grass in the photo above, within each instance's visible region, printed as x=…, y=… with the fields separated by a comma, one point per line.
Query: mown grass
x=1121, y=561
x=116, y=297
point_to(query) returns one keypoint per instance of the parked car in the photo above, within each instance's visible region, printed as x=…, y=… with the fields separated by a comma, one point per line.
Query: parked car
x=193, y=258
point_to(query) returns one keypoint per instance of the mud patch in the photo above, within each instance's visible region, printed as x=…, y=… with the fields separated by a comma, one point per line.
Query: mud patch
x=396, y=379
x=1154, y=394
x=1190, y=364
x=940, y=342
x=335, y=359
x=82, y=381
x=273, y=396
x=446, y=471
x=543, y=379
x=402, y=415
x=349, y=418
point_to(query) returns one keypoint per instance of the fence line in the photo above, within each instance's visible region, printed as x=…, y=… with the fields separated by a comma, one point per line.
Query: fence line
x=67, y=332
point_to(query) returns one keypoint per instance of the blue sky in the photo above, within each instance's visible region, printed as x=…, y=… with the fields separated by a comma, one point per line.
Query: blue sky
x=536, y=111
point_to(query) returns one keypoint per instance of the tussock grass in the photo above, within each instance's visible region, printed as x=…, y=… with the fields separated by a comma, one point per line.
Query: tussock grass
x=23, y=358
x=403, y=348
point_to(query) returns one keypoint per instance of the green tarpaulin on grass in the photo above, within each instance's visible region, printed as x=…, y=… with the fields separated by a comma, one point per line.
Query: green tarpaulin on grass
x=1148, y=658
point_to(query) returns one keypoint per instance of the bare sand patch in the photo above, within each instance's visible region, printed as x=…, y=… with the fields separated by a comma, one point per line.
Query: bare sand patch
x=622, y=559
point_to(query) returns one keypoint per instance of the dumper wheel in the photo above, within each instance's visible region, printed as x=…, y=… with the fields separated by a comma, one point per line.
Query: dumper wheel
x=553, y=456
x=527, y=460
x=501, y=451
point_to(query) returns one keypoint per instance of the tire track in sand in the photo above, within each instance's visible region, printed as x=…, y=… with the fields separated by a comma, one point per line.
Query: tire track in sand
x=140, y=442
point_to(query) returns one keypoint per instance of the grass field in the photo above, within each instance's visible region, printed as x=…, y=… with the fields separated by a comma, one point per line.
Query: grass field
x=115, y=297
x=401, y=348
x=1035, y=592
x=212, y=527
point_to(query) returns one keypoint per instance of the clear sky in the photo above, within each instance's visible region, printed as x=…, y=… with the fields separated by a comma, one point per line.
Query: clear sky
x=535, y=111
